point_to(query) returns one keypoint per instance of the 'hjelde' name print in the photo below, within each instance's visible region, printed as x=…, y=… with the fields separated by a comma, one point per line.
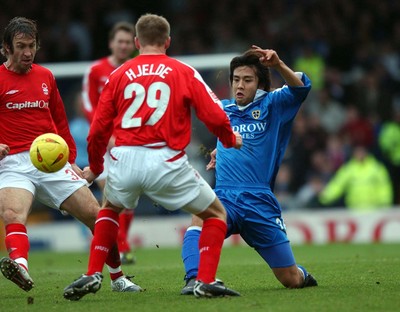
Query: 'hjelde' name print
x=148, y=70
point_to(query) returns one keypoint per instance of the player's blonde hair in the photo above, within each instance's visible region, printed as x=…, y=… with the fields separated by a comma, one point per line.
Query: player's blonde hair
x=152, y=29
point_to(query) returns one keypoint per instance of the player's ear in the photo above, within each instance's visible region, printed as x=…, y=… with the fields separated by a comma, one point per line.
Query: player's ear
x=137, y=43
x=167, y=43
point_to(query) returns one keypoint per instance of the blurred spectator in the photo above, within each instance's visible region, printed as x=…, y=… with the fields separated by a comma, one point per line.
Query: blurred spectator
x=312, y=64
x=307, y=196
x=116, y=12
x=357, y=129
x=336, y=151
x=321, y=165
x=389, y=143
x=307, y=137
x=371, y=97
x=363, y=183
x=297, y=154
x=317, y=175
x=282, y=187
x=229, y=41
x=330, y=112
x=391, y=58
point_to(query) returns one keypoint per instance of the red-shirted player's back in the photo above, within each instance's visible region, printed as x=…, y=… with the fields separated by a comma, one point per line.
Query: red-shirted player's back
x=151, y=98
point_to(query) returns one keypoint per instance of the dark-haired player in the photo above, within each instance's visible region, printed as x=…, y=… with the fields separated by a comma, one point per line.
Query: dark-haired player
x=245, y=178
x=30, y=105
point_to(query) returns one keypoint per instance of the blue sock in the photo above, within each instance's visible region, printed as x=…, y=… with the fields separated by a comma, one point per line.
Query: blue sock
x=305, y=273
x=190, y=251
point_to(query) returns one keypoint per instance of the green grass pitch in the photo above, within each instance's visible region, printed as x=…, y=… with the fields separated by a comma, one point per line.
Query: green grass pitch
x=350, y=277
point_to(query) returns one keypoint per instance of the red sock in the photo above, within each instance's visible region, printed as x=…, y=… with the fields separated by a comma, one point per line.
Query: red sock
x=105, y=236
x=113, y=262
x=17, y=242
x=210, y=244
x=125, y=219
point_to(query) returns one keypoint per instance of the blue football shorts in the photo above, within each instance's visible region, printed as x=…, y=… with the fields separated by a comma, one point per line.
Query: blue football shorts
x=256, y=216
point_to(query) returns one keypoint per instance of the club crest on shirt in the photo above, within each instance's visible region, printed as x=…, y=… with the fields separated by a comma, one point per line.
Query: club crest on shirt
x=45, y=88
x=256, y=113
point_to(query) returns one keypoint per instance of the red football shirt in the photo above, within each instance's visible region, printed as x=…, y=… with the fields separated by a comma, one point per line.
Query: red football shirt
x=30, y=105
x=93, y=83
x=149, y=100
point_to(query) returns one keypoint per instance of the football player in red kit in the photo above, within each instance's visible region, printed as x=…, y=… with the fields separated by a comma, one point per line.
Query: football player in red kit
x=30, y=105
x=147, y=104
x=122, y=46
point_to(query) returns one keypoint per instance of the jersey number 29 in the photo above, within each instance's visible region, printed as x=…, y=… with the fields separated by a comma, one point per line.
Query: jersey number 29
x=157, y=96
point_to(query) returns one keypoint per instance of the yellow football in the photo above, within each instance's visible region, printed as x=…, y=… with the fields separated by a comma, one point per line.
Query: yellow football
x=49, y=152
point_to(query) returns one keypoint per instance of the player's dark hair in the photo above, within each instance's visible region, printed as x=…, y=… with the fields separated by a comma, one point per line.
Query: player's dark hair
x=124, y=26
x=152, y=29
x=251, y=58
x=19, y=25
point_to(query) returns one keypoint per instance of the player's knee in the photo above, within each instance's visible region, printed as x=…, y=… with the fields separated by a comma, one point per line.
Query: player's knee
x=12, y=216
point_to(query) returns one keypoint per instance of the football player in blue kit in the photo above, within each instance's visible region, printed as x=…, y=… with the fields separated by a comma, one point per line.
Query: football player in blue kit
x=245, y=178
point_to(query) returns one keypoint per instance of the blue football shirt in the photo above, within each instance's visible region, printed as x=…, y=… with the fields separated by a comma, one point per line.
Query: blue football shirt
x=265, y=125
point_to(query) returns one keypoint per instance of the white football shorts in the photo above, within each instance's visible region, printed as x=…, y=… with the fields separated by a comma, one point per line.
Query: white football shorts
x=50, y=189
x=163, y=174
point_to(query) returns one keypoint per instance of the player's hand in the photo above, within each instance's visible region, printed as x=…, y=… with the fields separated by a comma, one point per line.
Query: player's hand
x=4, y=150
x=270, y=58
x=213, y=161
x=89, y=175
x=239, y=140
x=77, y=170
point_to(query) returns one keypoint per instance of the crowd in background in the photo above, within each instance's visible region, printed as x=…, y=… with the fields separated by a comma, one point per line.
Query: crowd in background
x=349, y=49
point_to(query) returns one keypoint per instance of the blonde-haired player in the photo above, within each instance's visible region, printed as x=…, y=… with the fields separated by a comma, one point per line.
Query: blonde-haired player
x=149, y=100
